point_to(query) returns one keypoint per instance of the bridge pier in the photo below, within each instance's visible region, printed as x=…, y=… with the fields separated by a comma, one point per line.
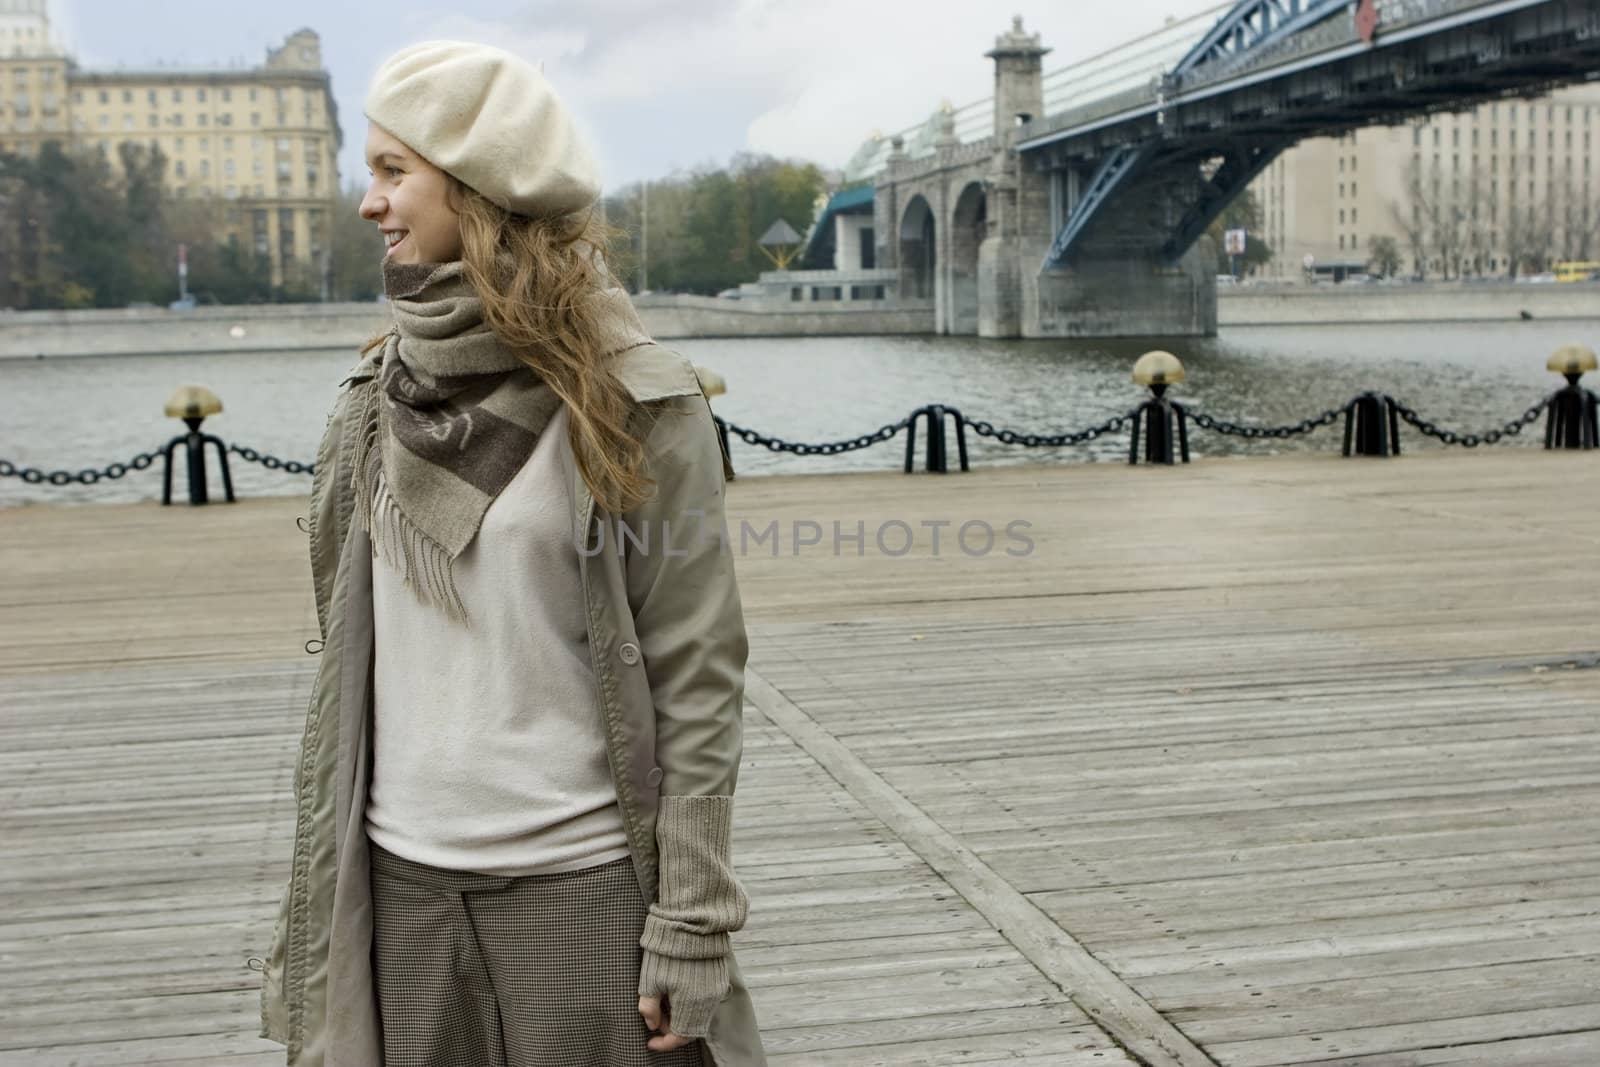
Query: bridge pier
x=999, y=289
x=969, y=226
x=1124, y=297
x=1000, y=271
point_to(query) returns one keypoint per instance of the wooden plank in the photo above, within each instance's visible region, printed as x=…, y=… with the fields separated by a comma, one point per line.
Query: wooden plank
x=1043, y=1048
x=874, y=1041
x=1546, y=1050
x=1123, y=1013
x=1368, y=1041
x=1323, y=731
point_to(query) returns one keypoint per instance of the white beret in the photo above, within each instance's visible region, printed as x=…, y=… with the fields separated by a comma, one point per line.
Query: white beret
x=489, y=119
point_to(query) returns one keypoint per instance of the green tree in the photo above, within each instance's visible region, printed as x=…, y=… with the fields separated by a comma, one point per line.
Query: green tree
x=1243, y=213
x=356, y=249
x=77, y=234
x=233, y=274
x=1383, y=255
x=30, y=265
x=703, y=226
x=83, y=235
x=150, y=259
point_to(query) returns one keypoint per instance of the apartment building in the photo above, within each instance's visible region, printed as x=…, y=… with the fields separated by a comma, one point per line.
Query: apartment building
x=1469, y=193
x=264, y=139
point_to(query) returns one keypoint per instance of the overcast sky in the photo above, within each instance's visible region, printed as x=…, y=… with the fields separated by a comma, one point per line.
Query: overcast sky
x=658, y=85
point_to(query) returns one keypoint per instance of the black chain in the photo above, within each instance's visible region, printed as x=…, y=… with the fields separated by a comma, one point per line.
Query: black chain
x=1327, y=418
x=1115, y=424
x=826, y=448
x=87, y=476
x=1473, y=440
x=272, y=463
x=1035, y=440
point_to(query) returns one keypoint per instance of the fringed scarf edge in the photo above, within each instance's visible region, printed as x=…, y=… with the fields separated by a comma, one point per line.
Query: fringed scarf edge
x=425, y=566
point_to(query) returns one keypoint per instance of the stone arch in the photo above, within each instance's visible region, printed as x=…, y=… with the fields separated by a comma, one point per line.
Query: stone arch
x=968, y=225
x=918, y=252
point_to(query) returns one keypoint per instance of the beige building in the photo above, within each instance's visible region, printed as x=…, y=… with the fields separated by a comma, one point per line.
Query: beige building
x=263, y=138
x=1462, y=194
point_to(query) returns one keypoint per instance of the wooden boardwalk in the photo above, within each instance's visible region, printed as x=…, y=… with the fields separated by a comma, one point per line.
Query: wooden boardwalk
x=1267, y=761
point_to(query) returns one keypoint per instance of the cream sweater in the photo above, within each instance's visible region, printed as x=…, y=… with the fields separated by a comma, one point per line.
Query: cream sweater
x=488, y=750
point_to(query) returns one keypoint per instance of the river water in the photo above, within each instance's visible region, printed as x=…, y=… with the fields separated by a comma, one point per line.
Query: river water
x=83, y=412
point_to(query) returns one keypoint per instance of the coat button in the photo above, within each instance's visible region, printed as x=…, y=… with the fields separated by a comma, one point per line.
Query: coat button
x=629, y=653
x=653, y=779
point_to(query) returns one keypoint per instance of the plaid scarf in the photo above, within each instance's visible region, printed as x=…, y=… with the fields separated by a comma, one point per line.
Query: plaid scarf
x=449, y=416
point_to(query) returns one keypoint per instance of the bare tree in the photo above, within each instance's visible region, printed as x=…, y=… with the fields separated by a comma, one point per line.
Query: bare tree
x=1530, y=226
x=1411, y=215
x=1479, y=212
x=1448, y=223
x=1576, y=221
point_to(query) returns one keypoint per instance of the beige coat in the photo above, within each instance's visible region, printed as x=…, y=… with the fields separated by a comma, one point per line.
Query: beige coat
x=667, y=638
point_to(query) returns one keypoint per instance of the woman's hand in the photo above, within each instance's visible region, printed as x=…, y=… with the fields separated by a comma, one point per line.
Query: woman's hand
x=660, y=1024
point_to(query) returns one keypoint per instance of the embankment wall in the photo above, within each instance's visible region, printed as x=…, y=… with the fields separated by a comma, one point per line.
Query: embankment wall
x=256, y=328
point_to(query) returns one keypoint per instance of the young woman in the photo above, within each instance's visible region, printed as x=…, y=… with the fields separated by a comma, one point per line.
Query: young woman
x=515, y=787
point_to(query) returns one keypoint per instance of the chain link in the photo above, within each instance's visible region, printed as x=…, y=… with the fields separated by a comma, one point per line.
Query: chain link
x=1034, y=440
x=825, y=448
x=1327, y=418
x=1115, y=424
x=1473, y=440
x=271, y=462
x=87, y=476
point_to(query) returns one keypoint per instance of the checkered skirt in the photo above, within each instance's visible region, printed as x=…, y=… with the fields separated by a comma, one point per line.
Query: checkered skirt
x=476, y=970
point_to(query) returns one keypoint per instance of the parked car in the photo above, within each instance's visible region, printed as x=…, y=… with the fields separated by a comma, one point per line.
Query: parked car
x=729, y=294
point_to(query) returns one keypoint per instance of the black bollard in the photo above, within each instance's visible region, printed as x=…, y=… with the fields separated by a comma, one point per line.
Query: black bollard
x=195, y=443
x=192, y=403
x=1165, y=421
x=1165, y=424
x=1371, y=426
x=1572, y=422
x=938, y=459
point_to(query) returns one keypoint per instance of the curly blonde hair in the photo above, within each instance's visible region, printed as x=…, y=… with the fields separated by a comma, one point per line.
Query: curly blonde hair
x=536, y=278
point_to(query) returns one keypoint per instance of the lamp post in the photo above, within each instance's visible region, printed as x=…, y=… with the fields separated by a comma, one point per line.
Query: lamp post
x=1156, y=371
x=192, y=403
x=1572, y=421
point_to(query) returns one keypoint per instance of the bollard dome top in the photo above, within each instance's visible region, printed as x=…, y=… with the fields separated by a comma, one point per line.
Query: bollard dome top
x=1158, y=368
x=711, y=383
x=1571, y=359
x=193, y=402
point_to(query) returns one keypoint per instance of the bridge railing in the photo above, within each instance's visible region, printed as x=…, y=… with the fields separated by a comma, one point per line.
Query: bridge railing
x=1337, y=31
x=1124, y=72
x=1127, y=67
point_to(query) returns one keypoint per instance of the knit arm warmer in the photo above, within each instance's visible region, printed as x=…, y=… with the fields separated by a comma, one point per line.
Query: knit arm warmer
x=699, y=901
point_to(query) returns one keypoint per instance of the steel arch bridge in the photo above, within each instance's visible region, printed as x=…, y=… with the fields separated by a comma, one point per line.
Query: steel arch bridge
x=1072, y=202
x=1270, y=73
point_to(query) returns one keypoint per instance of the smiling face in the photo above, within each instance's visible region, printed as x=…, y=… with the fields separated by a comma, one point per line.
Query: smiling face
x=409, y=199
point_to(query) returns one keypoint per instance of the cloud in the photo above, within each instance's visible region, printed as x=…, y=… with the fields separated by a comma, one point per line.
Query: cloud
x=809, y=80
x=655, y=84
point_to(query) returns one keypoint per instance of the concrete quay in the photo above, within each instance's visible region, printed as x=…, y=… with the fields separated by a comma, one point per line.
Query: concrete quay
x=1251, y=762
x=258, y=328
